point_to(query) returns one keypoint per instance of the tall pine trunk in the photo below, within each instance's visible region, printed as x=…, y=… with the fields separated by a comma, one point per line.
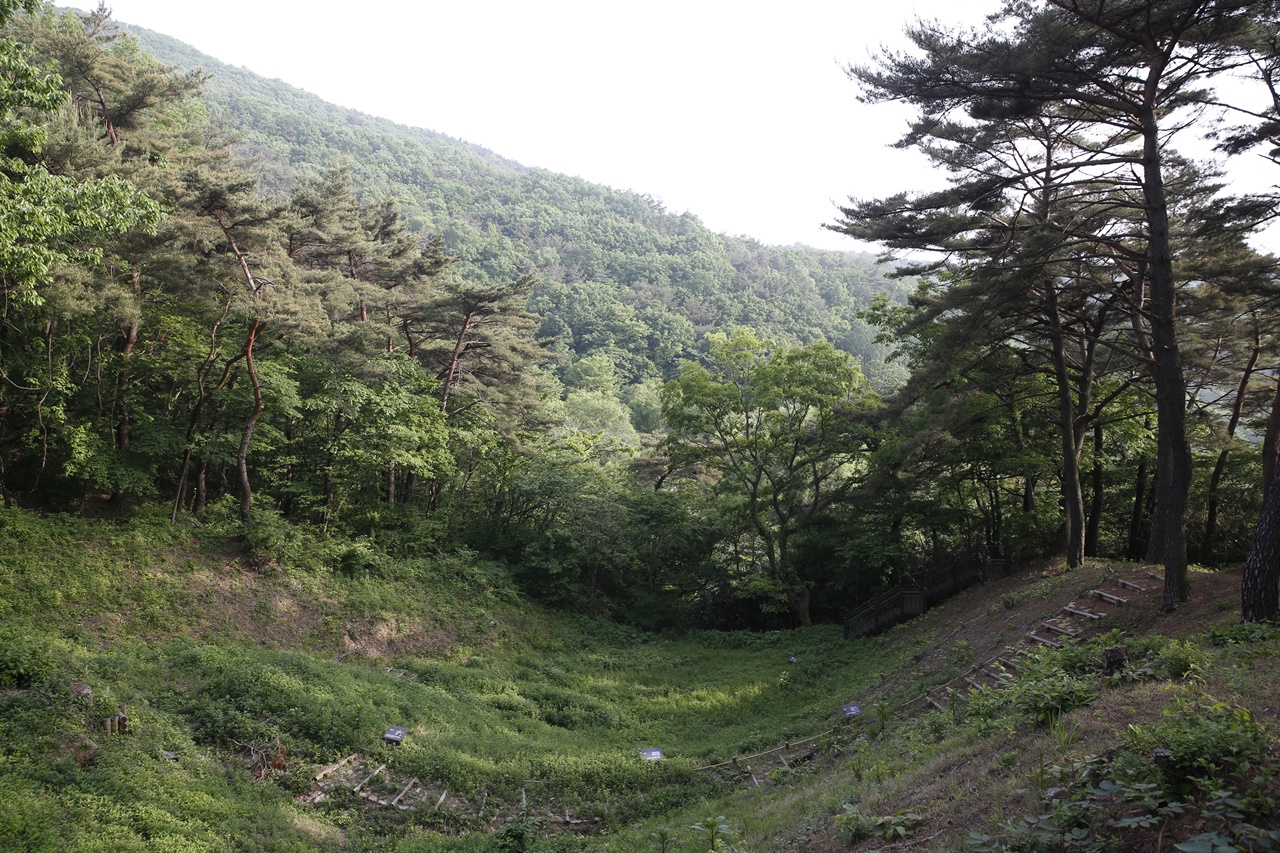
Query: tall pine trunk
x=1259, y=590
x=246, y=436
x=1096, y=499
x=1174, y=478
x=1260, y=586
x=1135, y=550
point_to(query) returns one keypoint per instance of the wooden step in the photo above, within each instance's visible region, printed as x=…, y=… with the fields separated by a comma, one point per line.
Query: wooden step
x=933, y=702
x=1001, y=677
x=1057, y=629
x=1040, y=639
x=1155, y=576
x=1106, y=596
x=1007, y=663
x=1084, y=613
x=1130, y=585
x=974, y=683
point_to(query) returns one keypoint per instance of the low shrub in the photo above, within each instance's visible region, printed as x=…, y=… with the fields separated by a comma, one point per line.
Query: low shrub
x=1201, y=737
x=26, y=657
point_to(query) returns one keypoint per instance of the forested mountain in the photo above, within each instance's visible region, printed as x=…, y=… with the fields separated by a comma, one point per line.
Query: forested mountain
x=312, y=426
x=616, y=273
x=308, y=317
x=315, y=317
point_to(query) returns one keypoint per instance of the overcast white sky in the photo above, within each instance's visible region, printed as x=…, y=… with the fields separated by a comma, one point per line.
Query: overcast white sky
x=738, y=112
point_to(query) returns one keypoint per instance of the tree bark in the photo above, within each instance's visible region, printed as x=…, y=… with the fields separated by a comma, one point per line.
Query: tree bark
x=1096, y=499
x=1271, y=440
x=242, y=454
x=799, y=601
x=1259, y=590
x=1072, y=495
x=1155, y=531
x=1174, y=481
x=1136, y=549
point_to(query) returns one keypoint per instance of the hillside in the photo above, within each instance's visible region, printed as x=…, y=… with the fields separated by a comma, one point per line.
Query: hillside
x=618, y=274
x=319, y=532
x=257, y=693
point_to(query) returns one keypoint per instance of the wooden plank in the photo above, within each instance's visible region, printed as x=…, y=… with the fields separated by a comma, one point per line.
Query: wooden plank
x=933, y=702
x=1050, y=643
x=1084, y=613
x=1130, y=585
x=325, y=772
x=1058, y=629
x=400, y=795
x=1106, y=596
x=357, y=788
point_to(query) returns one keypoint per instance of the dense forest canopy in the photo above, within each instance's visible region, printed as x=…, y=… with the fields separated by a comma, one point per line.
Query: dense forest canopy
x=616, y=271
x=256, y=303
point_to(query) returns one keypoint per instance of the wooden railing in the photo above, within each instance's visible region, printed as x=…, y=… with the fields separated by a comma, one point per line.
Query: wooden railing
x=914, y=595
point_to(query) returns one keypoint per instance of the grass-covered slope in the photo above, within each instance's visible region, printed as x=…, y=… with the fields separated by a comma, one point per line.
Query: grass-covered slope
x=242, y=678
x=248, y=668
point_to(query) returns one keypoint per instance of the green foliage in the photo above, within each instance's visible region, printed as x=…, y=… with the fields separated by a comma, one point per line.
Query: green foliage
x=1181, y=659
x=518, y=834
x=714, y=833
x=1203, y=738
x=1205, y=762
x=26, y=657
x=662, y=841
x=1046, y=687
x=1243, y=632
x=855, y=826
x=765, y=418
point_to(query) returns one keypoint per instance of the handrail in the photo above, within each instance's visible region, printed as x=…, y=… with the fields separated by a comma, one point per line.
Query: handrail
x=957, y=571
x=783, y=748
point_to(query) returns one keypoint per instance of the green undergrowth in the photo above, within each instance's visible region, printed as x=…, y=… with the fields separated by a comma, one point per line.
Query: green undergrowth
x=1124, y=740
x=520, y=715
x=559, y=731
x=1165, y=746
x=249, y=660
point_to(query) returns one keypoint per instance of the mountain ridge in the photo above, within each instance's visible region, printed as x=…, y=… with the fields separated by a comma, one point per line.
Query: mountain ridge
x=501, y=219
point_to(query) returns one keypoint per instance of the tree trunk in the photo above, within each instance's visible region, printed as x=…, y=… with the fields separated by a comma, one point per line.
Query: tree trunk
x=202, y=487
x=1174, y=481
x=1095, y=500
x=1155, y=532
x=1259, y=590
x=1136, y=548
x=799, y=601
x=450, y=375
x=1072, y=494
x=242, y=454
x=1271, y=440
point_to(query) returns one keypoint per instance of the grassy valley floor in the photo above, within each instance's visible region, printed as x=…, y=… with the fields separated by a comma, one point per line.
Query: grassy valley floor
x=244, y=680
